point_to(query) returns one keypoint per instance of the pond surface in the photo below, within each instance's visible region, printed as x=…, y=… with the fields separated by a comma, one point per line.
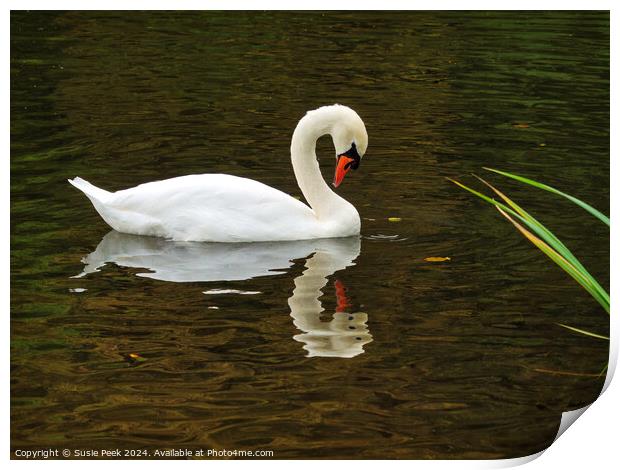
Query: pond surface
x=353, y=348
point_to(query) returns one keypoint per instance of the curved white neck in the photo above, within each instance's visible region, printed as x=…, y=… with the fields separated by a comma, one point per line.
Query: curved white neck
x=324, y=202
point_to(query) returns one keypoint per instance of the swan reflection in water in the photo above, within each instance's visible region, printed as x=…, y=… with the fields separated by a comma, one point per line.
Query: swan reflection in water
x=344, y=335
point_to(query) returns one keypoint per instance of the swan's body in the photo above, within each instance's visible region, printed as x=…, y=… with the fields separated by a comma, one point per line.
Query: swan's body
x=211, y=207
x=225, y=208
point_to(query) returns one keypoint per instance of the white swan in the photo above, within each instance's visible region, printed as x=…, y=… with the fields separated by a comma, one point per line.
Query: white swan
x=225, y=208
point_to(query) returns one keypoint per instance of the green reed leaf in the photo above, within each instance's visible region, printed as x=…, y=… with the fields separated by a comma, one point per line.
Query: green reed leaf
x=596, y=213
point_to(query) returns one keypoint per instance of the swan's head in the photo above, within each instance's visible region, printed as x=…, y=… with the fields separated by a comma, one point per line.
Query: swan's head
x=350, y=140
x=348, y=134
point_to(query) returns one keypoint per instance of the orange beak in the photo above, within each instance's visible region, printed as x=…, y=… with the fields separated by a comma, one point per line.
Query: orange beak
x=342, y=167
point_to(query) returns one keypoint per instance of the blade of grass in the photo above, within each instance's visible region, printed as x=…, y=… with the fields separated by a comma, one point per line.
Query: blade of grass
x=543, y=231
x=550, y=238
x=563, y=372
x=596, y=213
x=583, y=332
x=559, y=260
x=591, y=285
x=490, y=201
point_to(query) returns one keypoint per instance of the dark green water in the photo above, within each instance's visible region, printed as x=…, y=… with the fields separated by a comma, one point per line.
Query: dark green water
x=462, y=359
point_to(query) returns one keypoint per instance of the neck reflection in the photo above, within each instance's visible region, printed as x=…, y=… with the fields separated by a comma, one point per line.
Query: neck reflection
x=342, y=335
x=346, y=332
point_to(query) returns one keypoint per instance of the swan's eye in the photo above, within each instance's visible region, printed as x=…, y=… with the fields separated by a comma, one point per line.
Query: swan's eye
x=354, y=156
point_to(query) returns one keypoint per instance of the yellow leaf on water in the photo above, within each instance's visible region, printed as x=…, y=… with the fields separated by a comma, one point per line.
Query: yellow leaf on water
x=135, y=357
x=437, y=259
x=394, y=219
x=521, y=125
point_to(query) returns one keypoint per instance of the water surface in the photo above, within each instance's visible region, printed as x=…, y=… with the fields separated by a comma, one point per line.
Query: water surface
x=343, y=348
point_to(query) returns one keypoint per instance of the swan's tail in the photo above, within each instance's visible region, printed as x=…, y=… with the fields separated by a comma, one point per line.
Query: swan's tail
x=93, y=192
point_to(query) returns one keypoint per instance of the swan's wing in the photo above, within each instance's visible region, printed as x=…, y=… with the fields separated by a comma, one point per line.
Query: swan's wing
x=211, y=207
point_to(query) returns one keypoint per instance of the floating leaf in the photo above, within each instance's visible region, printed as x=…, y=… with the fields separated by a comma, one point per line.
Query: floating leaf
x=394, y=219
x=135, y=357
x=521, y=125
x=437, y=259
